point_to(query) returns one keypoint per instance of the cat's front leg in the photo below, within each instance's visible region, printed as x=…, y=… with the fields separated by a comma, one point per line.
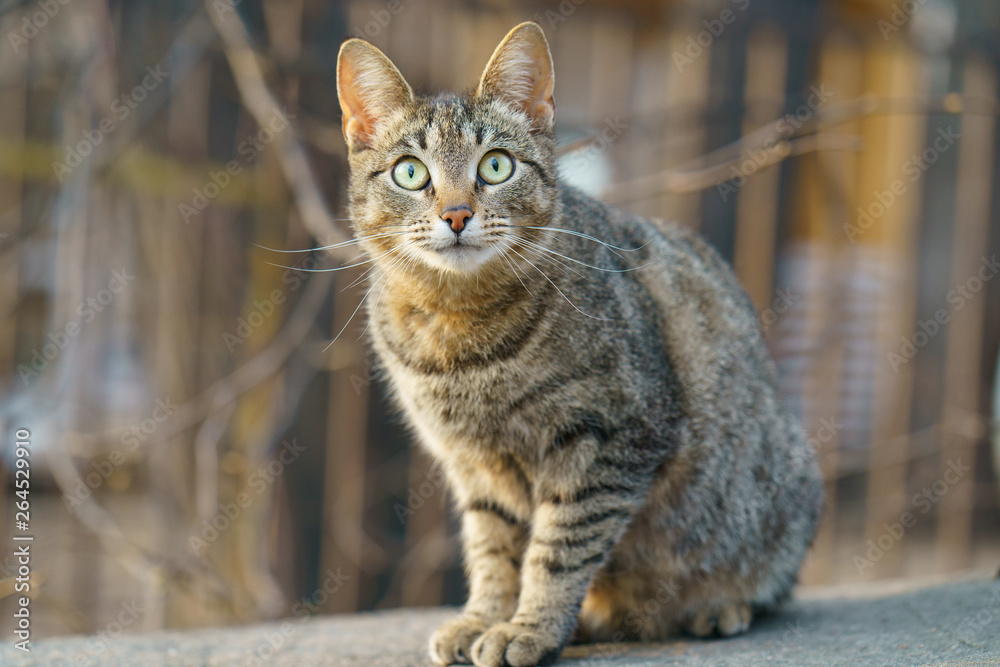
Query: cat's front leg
x=574, y=528
x=493, y=542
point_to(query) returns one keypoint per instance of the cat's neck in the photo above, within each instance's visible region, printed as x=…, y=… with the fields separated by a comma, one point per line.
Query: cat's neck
x=447, y=307
x=444, y=293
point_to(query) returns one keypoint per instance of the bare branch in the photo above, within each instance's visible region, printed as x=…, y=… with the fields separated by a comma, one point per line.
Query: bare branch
x=263, y=106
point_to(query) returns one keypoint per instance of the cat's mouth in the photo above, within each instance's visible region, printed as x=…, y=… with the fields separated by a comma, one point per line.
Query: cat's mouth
x=459, y=248
x=461, y=255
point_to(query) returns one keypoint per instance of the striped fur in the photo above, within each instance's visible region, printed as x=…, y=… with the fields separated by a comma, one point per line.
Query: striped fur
x=607, y=419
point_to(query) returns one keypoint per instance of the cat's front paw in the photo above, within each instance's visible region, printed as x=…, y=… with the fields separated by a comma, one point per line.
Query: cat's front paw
x=451, y=644
x=515, y=645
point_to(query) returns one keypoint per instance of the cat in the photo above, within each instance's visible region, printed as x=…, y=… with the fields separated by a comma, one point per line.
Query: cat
x=594, y=384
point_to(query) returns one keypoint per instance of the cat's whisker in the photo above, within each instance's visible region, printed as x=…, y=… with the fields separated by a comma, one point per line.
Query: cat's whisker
x=513, y=268
x=412, y=260
x=565, y=267
x=336, y=268
x=342, y=244
x=576, y=261
x=374, y=266
x=355, y=312
x=411, y=242
x=534, y=251
x=593, y=317
x=364, y=275
x=409, y=258
x=588, y=237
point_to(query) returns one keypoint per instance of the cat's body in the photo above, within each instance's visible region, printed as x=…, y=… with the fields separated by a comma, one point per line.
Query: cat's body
x=607, y=416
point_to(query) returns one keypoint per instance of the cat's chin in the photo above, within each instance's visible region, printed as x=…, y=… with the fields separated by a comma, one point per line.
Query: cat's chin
x=459, y=258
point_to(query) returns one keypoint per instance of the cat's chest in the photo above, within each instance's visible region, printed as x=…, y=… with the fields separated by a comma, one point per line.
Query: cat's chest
x=469, y=403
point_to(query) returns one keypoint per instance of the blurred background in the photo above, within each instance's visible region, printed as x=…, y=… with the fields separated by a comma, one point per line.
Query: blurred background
x=197, y=452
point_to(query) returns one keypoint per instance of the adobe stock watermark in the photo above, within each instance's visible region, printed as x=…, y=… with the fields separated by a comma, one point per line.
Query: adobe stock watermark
x=746, y=336
x=747, y=512
x=638, y=618
x=223, y=6
x=380, y=20
x=793, y=632
x=99, y=644
x=566, y=8
x=783, y=302
x=258, y=482
x=275, y=639
x=248, y=150
x=983, y=621
x=34, y=22
x=264, y=308
x=87, y=311
x=902, y=12
x=925, y=500
x=368, y=374
x=697, y=43
x=131, y=438
x=912, y=171
x=416, y=497
x=121, y=109
x=611, y=132
x=756, y=159
x=957, y=298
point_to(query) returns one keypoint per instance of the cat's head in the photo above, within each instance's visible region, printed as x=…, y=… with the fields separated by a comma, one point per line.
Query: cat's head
x=453, y=182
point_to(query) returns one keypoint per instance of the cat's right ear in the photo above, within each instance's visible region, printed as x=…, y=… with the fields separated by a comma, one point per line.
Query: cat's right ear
x=520, y=72
x=370, y=88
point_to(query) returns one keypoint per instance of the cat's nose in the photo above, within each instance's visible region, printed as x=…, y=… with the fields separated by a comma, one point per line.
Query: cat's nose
x=456, y=217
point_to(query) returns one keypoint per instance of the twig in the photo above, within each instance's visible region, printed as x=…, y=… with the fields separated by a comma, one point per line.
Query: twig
x=96, y=519
x=682, y=180
x=263, y=107
x=777, y=143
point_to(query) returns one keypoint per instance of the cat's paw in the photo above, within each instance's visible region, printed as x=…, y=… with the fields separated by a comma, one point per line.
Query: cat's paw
x=515, y=645
x=728, y=620
x=451, y=643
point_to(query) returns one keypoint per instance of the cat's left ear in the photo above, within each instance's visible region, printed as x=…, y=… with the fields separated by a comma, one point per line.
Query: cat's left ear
x=520, y=72
x=370, y=88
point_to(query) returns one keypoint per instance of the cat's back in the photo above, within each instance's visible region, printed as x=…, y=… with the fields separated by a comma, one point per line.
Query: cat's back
x=705, y=323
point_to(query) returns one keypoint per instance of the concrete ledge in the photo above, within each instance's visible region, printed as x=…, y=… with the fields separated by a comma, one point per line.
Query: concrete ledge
x=957, y=624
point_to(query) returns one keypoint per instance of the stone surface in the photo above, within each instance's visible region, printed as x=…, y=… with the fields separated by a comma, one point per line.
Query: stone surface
x=957, y=624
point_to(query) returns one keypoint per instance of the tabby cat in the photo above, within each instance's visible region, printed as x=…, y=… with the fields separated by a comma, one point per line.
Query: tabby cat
x=594, y=384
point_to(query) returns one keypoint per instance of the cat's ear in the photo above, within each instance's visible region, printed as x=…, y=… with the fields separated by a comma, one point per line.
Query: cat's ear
x=520, y=72
x=370, y=88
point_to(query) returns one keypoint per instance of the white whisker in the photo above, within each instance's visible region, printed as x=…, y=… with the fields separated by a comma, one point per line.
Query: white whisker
x=603, y=319
x=588, y=237
x=304, y=270
x=565, y=267
x=335, y=245
x=514, y=269
x=407, y=259
x=576, y=261
x=351, y=318
x=364, y=275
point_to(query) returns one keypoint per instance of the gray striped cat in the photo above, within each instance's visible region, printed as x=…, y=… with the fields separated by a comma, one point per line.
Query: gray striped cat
x=593, y=383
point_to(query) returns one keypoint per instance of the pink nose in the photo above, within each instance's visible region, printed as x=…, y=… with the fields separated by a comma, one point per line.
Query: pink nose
x=457, y=217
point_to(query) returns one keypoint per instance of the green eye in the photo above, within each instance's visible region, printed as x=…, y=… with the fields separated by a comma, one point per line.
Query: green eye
x=410, y=173
x=496, y=167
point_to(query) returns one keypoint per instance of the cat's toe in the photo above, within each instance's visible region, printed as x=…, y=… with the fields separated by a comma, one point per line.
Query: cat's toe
x=451, y=644
x=701, y=623
x=734, y=619
x=726, y=620
x=513, y=645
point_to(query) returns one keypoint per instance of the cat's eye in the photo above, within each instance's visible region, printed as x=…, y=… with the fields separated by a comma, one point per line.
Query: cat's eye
x=410, y=173
x=496, y=167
